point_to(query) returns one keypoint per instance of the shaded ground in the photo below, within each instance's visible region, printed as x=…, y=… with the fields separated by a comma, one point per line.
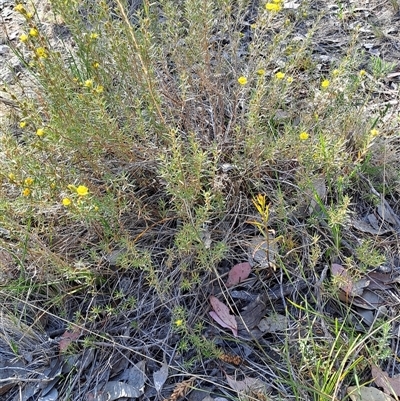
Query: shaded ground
x=128, y=351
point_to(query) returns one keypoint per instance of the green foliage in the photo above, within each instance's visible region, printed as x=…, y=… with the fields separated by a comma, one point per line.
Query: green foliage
x=162, y=134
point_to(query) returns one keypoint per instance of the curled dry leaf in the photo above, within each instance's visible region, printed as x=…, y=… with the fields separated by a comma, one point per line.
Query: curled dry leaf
x=382, y=281
x=221, y=315
x=238, y=273
x=263, y=251
x=365, y=227
x=346, y=283
x=249, y=384
x=68, y=337
x=387, y=214
x=114, y=390
x=390, y=385
x=160, y=376
x=274, y=323
x=367, y=394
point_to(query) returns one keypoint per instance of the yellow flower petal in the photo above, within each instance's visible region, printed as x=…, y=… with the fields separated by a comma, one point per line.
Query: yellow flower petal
x=28, y=181
x=33, y=32
x=20, y=8
x=41, y=52
x=81, y=190
x=273, y=7
x=325, y=83
x=242, y=80
x=23, y=38
x=40, y=132
x=304, y=136
x=88, y=83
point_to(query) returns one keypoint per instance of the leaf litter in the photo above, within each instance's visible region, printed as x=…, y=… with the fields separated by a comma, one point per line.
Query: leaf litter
x=238, y=273
x=367, y=394
x=248, y=385
x=221, y=314
x=160, y=376
x=390, y=385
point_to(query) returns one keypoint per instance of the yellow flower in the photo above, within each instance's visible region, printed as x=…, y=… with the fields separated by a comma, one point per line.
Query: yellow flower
x=81, y=190
x=280, y=75
x=325, y=83
x=335, y=72
x=23, y=38
x=26, y=192
x=362, y=73
x=99, y=89
x=66, y=202
x=41, y=52
x=289, y=80
x=20, y=9
x=96, y=64
x=273, y=7
x=22, y=124
x=374, y=132
x=261, y=72
x=88, y=83
x=33, y=32
x=94, y=35
x=11, y=176
x=253, y=26
x=242, y=80
x=304, y=136
x=28, y=15
x=179, y=322
x=28, y=181
x=40, y=132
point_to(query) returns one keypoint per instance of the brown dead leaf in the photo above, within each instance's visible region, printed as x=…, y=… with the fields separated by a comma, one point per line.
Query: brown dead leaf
x=238, y=273
x=365, y=227
x=68, y=337
x=346, y=283
x=263, y=251
x=367, y=394
x=390, y=385
x=249, y=384
x=221, y=315
x=160, y=376
x=387, y=214
x=381, y=281
x=274, y=323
